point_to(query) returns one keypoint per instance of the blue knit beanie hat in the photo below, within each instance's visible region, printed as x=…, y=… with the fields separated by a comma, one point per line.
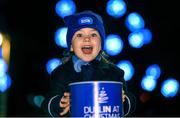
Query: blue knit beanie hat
x=85, y=19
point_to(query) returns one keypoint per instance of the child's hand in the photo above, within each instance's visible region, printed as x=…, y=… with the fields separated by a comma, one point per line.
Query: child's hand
x=123, y=95
x=65, y=103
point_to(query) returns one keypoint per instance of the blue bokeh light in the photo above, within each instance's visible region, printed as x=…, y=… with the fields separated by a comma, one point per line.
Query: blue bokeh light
x=52, y=64
x=113, y=44
x=128, y=69
x=38, y=99
x=60, y=37
x=154, y=70
x=140, y=37
x=116, y=8
x=134, y=22
x=0, y=52
x=65, y=8
x=3, y=67
x=135, y=40
x=5, y=82
x=147, y=35
x=148, y=83
x=170, y=87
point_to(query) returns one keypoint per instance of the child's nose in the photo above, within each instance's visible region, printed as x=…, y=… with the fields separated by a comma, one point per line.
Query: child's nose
x=87, y=38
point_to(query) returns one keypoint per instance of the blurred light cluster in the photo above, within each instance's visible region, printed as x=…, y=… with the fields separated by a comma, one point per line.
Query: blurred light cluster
x=149, y=81
x=63, y=8
x=169, y=87
x=5, y=79
x=139, y=34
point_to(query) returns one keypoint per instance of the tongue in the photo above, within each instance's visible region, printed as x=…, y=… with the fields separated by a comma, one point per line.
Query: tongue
x=87, y=51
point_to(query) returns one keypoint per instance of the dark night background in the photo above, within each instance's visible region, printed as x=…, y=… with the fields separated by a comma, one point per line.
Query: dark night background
x=31, y=26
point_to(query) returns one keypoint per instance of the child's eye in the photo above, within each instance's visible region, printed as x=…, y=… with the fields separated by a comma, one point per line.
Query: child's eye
x=79, y=35
x=94, y=35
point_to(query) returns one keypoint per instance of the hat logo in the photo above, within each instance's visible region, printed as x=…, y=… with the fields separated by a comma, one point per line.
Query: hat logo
x=85, y=20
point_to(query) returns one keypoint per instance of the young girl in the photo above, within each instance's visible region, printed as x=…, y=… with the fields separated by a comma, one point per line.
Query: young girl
x=86, y=61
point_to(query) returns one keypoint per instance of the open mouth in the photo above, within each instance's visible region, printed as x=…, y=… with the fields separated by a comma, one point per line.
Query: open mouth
x=87, y=49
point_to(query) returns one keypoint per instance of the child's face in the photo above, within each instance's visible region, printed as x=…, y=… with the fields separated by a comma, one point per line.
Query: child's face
x=86, y=44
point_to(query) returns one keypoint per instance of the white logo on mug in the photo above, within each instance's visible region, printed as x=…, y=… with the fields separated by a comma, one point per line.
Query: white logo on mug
x=102, y=97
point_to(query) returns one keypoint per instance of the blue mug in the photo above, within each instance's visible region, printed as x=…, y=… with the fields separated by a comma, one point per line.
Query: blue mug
x=97, y=99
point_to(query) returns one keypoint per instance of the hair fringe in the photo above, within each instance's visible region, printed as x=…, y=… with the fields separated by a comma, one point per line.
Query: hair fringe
x=66, y=56
x=104, y=56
